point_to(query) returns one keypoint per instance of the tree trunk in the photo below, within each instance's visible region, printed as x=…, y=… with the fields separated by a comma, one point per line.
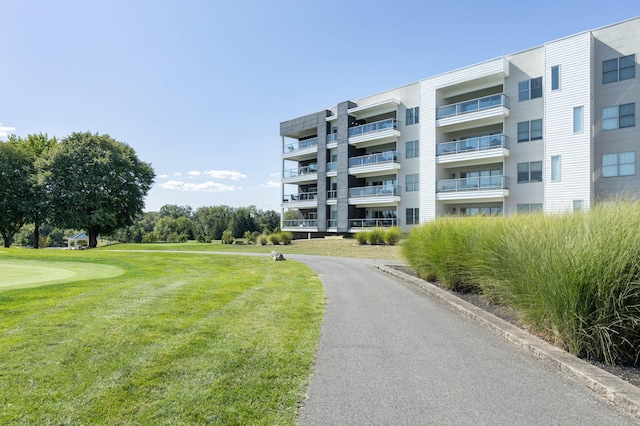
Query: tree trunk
x=36, y=235
x=7, y=238
x=93, y=238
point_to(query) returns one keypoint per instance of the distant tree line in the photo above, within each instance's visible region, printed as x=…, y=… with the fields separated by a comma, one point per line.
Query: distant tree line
x=85, y=181
x=173, y=223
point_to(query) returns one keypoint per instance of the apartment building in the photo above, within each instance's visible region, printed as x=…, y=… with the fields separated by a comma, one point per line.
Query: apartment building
x=551, y=128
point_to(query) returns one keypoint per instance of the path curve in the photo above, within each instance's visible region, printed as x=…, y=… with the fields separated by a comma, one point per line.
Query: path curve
x=390, y=354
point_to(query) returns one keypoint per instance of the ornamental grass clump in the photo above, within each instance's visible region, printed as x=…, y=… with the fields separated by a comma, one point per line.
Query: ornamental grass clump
x=393, y=235
x=362, y=237
x=375, y=236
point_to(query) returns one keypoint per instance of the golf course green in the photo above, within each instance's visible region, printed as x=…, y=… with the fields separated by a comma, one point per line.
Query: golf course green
x=34, y=273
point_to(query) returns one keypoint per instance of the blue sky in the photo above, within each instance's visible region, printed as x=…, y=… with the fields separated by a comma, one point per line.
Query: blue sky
x=198, y=88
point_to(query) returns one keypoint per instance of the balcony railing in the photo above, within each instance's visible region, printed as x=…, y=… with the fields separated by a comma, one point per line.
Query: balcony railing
x=332, y=137
x=295, y=146
x=312, y=168
x=473, y=105
x=302, y=196
x=332, y=195
x=472, y=184
x=372, y=223
x=378, y=126
x=332, y=223
x=331, y=166
x=301, y=223
x=374, y=191
x=473, y=144
x=369, y=160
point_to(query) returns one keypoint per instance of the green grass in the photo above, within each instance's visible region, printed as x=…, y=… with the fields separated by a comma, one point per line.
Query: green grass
x=174, y=339
x=319, y=247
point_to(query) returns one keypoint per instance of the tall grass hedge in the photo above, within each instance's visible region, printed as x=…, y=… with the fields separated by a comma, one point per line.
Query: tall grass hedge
x=573, y=278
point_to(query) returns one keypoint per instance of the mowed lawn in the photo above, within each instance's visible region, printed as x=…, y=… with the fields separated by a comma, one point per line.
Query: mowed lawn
x=176, y=338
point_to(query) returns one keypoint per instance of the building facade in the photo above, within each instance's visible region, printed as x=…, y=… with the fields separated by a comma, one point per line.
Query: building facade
x=550, y=129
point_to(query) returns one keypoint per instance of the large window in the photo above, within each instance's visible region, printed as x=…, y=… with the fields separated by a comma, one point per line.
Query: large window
x=413, y=115
x=530, y=130
x=530, y=172
x=530, y=89
x=621, y=116
x=413, y=182
x=530, y=208
x=412, y=149
x=578, y=118
x=619, y=164
x=555, y=169
x=555, y=77
x=413, y=216
x=618, y=69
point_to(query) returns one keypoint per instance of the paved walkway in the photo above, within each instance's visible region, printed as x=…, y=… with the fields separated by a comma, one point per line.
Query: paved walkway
x=391, y=354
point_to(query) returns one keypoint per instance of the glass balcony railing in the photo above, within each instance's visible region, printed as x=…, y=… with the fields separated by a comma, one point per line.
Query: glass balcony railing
x=368, y=160
x=473, y=144
x=301, y=196
x=312, y=168
x=378, y=126
x=332, y=195
x=372, y=223
x=295, y=146
x=332, y=137
x=472, y=184
x=331, y=166
x=473, y=105
x=332, y=223
x=374, y=191
x=301, y=223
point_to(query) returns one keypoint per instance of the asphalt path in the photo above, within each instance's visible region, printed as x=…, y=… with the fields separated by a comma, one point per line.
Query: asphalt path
x=391, y=355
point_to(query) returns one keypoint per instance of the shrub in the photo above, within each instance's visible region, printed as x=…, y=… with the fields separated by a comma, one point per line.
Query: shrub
x=362, y=237
x=150, y=237
x=251, y=237
x=261, y=240
x=393, y=235
x=175, y=237
x=375, y=236
x=203, y=239
x=227, y=237
x=274, y=239
x=285, y=237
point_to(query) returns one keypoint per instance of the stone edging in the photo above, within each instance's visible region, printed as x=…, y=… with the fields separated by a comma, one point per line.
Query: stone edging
x=607, y=385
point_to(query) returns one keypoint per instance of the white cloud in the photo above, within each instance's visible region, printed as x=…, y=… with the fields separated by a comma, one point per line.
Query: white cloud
x=225, y=174
x=5, y=131
x=199, y=187
x=177, y=174
x=162, y=176
x=270, y=184
x=194, y=173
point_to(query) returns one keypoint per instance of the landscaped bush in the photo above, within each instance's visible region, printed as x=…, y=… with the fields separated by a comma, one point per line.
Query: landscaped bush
x=393, y=235
x=375, y=236
x=203, y=239
x=150, y=237
x=251, y=237
x=261, y=240
x=285, y=237
x=362, y=237
x=573, y=278
x=227, y=237
x=175, y=237
x=274, y=239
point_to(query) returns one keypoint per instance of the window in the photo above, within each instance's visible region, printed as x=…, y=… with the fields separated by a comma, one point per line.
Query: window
x=619, y=116
x=530, y=172
x=530, y=208
x=413, y=182
x=413, y=216
x=530, y=130
x=578, y=205
x=413, y=115
x=412, y=149
x=555, y=168
x=577, y=119
x=618, y=69
x=555, y=77
x=481, y=211
x=530, y=89
x=619, y=164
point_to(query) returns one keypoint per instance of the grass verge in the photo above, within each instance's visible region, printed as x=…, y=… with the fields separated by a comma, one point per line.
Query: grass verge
x=175, y=339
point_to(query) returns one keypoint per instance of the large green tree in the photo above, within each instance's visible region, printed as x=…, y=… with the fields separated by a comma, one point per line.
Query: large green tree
x=96, y=183
x=16, y=189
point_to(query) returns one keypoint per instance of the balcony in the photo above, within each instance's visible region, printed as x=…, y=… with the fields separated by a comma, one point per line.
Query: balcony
x=481, y=111
x=374, y=195
x=373, y=164
x=332, y=197
x=374, y=133
x=484, y=188
x=332, y=223
x=301, y=174
x=301, y=150
x=332, y=140
x=300, y=224
x=301, y=199
x=372, y=223
x=332, y=168
x=479, y=150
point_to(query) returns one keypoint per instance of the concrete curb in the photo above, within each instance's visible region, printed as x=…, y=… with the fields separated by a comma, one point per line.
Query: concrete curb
x=605, y=384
